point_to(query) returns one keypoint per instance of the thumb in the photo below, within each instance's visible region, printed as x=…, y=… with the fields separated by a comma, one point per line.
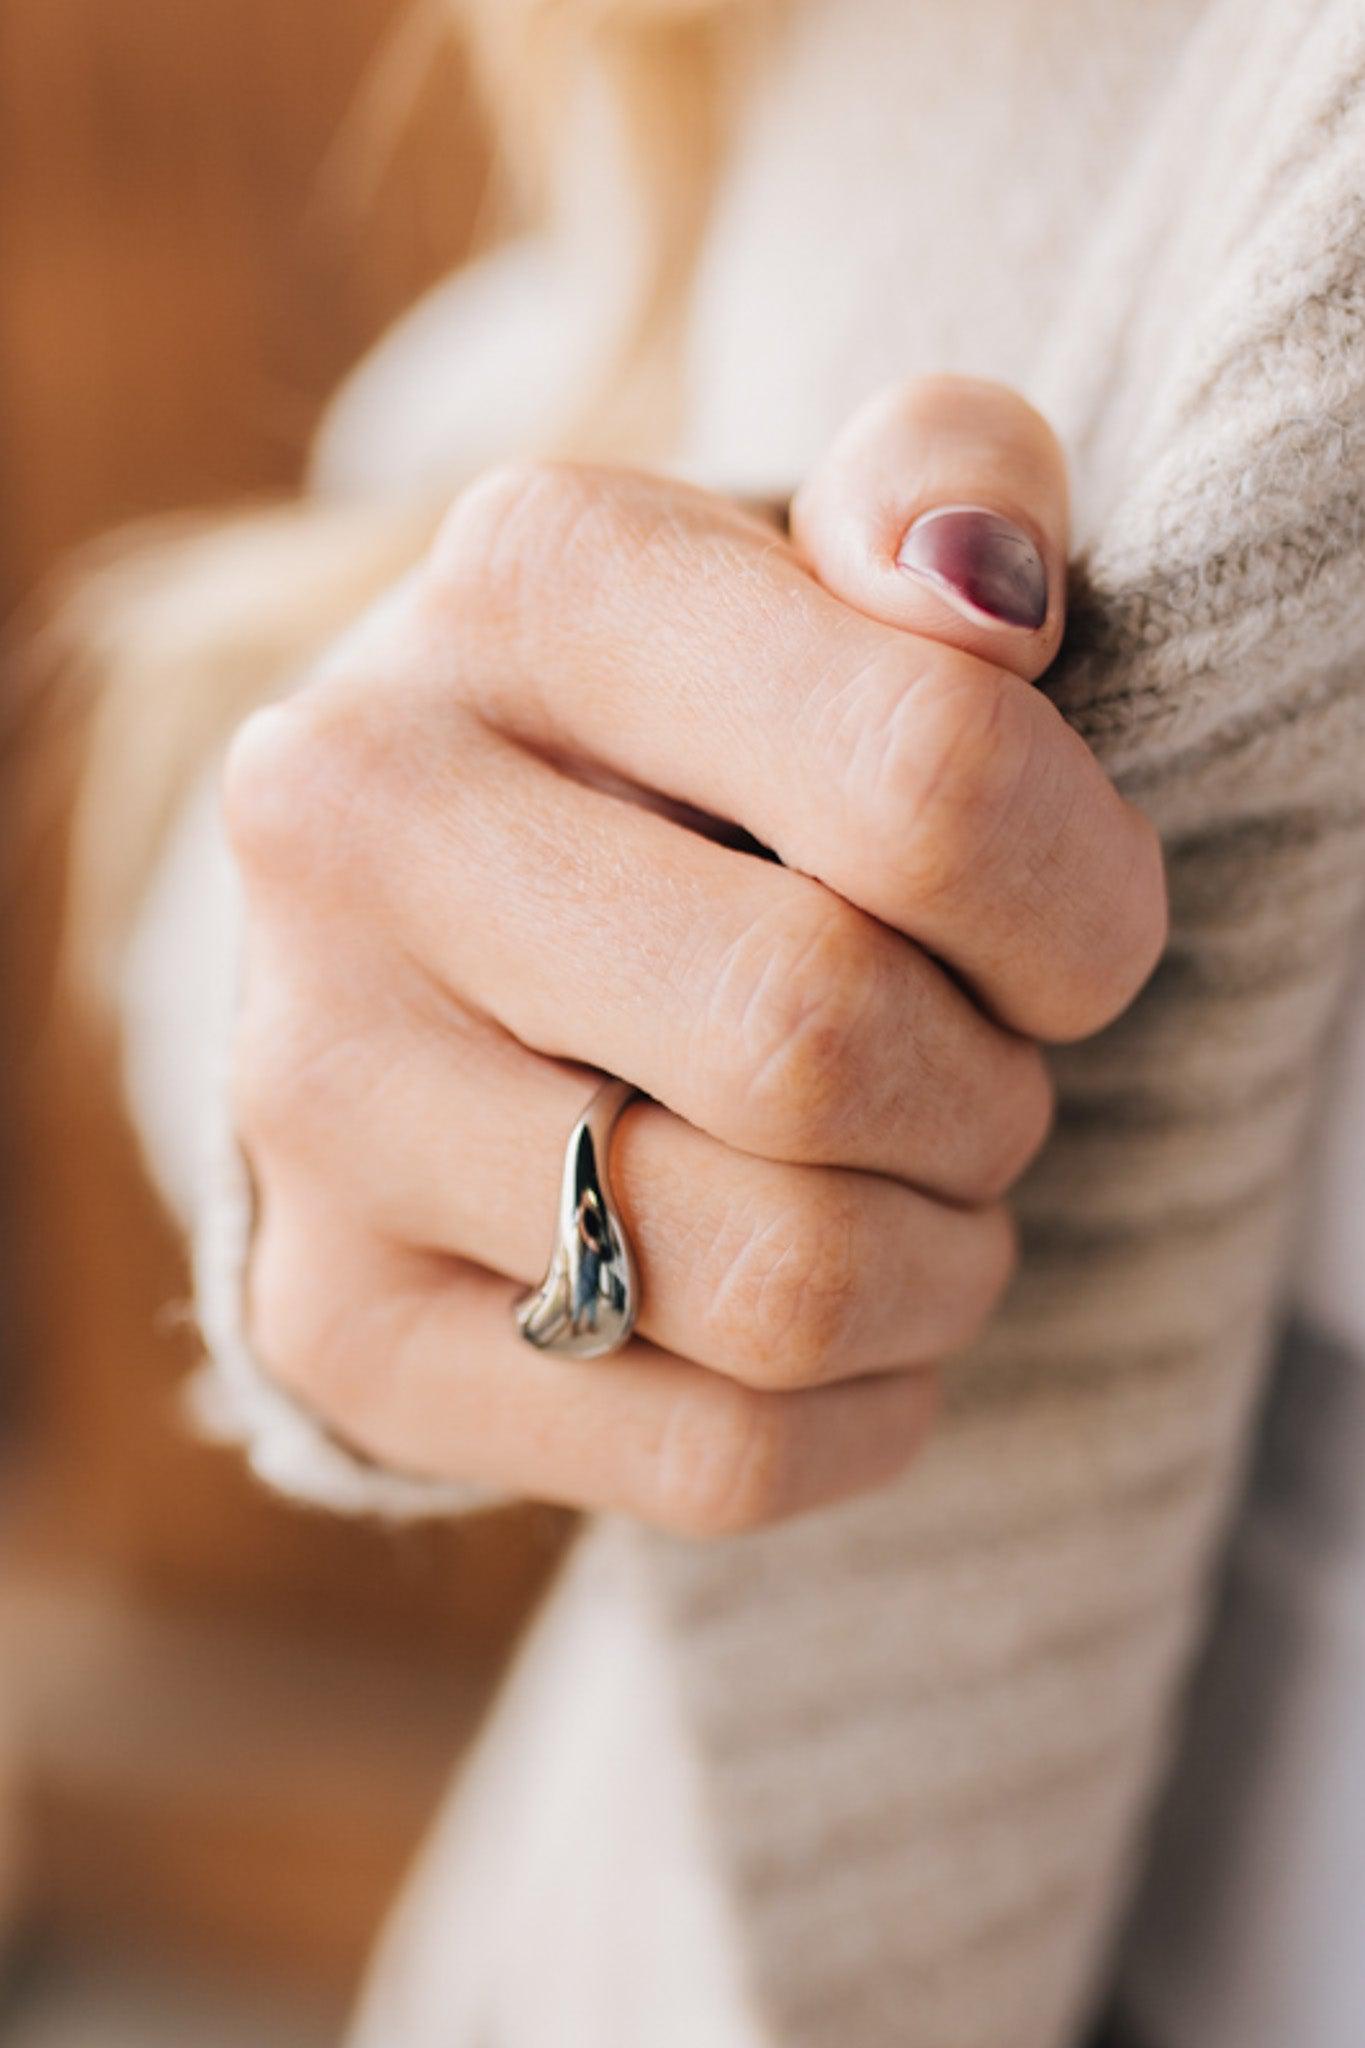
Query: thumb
x=942, y=508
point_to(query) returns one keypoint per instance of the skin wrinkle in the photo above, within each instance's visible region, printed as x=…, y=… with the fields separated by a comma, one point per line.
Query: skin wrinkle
x=796, y=1046
x=437, y=1007
x=812, y=1317
x=844, y=731
x=649, y=545
x=541, y=870
x=964, y=738
x=743, y=1231
x=754, y=1281
x=771, y=614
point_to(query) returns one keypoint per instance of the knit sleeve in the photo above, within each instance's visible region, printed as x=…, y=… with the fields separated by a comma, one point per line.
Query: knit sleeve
x=931, y=1724
x=1226, y=581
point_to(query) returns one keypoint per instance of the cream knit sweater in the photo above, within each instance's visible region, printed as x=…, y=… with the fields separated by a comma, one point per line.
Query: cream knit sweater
x=925, y=1729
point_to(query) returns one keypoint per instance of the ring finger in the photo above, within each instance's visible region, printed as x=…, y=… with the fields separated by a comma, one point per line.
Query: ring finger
x=774, y=1274
x=460, y=1397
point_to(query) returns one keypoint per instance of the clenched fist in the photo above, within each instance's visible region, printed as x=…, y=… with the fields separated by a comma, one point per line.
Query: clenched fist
x=506, y=839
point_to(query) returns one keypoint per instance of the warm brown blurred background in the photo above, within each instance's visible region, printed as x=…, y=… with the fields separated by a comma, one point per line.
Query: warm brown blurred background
x=222, y=1722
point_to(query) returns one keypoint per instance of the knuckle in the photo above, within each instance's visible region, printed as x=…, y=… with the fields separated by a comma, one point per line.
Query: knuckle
x=1015, y=1130
x=723, y=1464
x=262, y=775
x=296, y=778
x=507, y=531
x=790, y=1014
x=950, y=770
x=501, y=502
x=288, y=1084
x=294, y=1310
x=787, y=1300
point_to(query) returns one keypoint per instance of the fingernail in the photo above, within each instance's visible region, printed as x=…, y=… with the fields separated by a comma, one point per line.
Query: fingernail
x=982, y=564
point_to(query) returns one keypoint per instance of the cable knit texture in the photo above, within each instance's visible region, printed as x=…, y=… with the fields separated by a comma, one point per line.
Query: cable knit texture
x=929, y=1725
x=929, y=1781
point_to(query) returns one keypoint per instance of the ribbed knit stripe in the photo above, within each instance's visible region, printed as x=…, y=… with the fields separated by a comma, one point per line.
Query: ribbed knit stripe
x=931, y=1723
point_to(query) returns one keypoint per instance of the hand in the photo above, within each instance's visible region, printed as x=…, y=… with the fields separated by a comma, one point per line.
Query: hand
x=474, y=873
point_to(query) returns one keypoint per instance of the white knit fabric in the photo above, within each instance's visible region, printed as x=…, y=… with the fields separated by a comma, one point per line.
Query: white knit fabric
x=567, y=1897
x=1248, y=1928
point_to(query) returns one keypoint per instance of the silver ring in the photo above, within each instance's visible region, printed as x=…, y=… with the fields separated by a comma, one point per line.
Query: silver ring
x=587, y=1303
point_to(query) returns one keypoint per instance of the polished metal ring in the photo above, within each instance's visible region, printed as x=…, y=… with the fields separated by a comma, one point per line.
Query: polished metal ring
x=587, y=1303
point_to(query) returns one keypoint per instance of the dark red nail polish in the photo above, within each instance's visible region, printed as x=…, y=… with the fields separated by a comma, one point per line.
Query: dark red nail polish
x=980, y=562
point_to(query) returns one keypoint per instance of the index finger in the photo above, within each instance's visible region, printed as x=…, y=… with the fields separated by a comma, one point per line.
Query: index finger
x=650, y=629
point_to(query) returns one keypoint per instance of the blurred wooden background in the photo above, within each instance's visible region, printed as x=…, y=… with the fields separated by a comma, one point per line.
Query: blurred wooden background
x=232, y=1718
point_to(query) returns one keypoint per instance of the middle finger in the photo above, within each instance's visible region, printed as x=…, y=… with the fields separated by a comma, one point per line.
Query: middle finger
x=748, y=999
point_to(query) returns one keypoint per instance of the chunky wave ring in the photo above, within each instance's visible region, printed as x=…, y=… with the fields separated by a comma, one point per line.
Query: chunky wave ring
x=586, y=1305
